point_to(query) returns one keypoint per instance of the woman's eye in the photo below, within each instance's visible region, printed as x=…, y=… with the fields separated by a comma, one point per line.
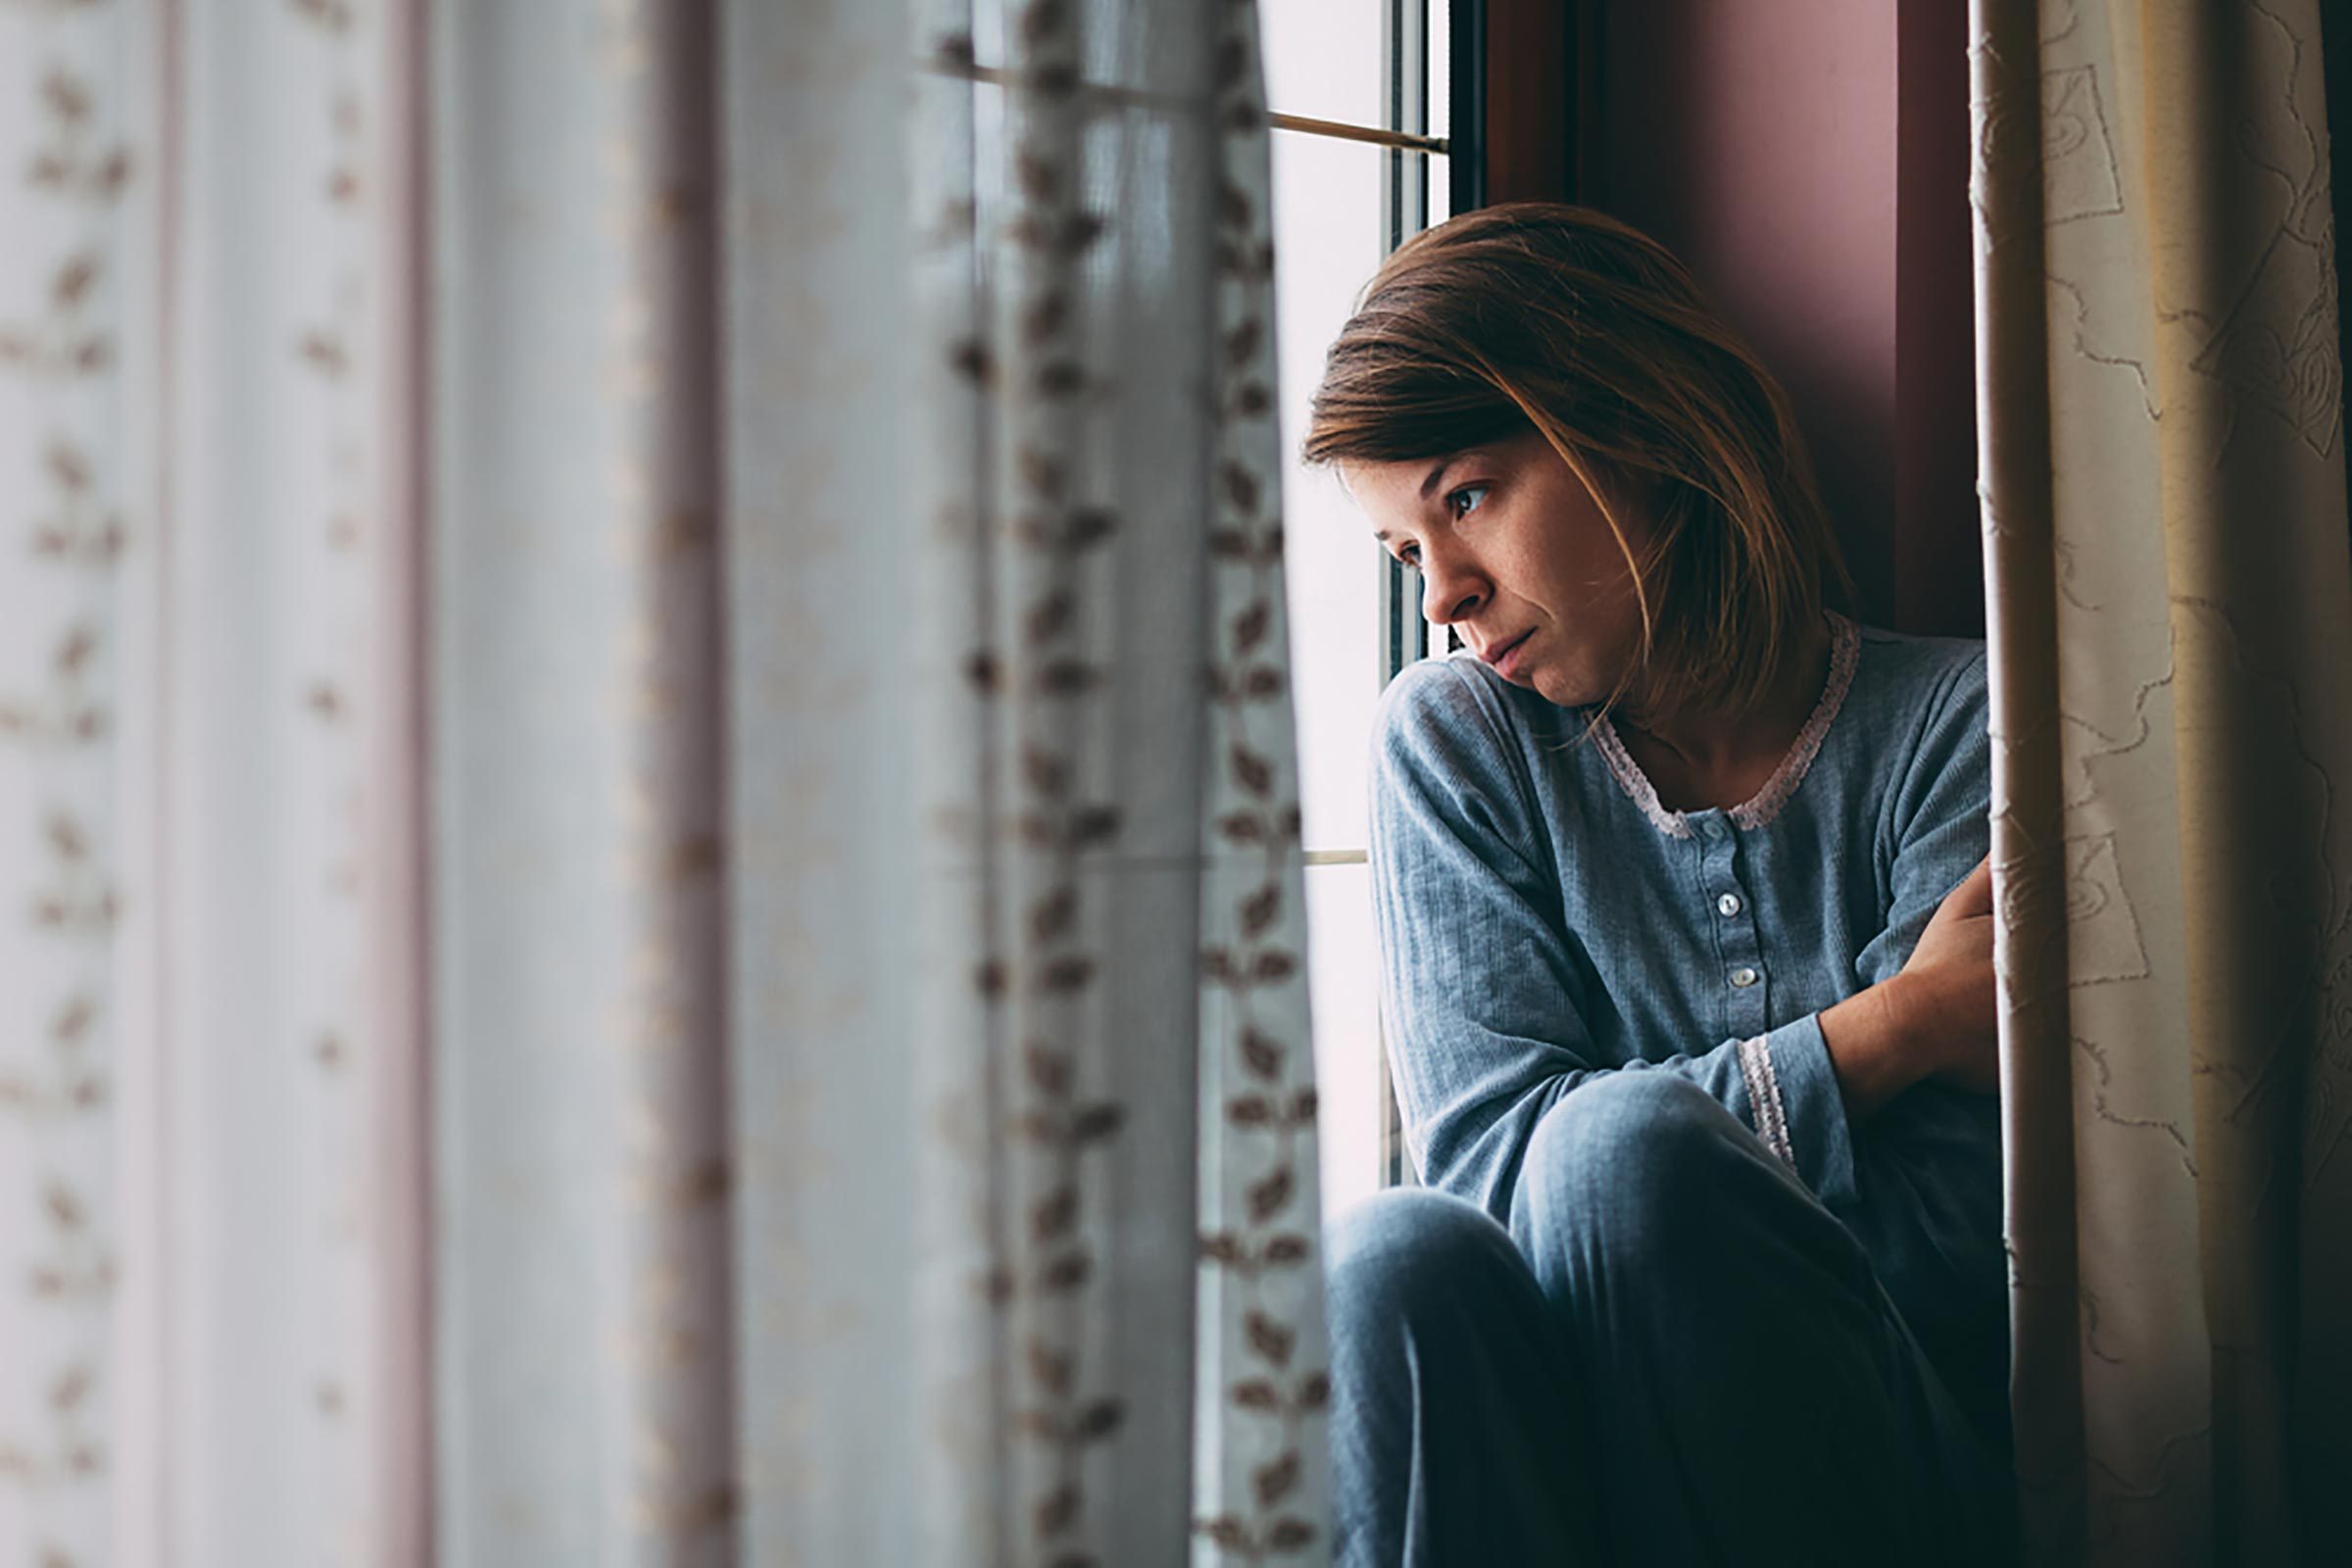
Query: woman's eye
x=1466, y=500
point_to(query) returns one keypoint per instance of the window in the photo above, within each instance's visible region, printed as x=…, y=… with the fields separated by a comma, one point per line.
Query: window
x=1360, y=94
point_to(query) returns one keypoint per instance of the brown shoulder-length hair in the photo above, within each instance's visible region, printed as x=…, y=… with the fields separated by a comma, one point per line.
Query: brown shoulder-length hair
x=1557, y=319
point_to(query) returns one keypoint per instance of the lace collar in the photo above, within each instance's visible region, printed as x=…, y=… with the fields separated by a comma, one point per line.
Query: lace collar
x=1845, y=642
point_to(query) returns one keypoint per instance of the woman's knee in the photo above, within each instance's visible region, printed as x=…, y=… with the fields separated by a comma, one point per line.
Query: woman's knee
x=1616, y=1158
x=1409, y=1251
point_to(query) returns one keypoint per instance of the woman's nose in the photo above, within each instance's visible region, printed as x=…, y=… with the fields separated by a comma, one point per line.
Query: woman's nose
x=1449, y=591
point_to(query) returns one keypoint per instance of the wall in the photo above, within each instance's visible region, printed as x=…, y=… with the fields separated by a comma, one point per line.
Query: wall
x=1809, y=160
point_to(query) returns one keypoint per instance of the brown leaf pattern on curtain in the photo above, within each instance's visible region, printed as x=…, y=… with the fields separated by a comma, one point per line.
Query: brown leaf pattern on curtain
x=1259, y=1248
x=66, y=338
x=1048, y=602
x=1028, y=557
x=61, y=527
x=82, y=530
x=76, y=157
x=1028, y=277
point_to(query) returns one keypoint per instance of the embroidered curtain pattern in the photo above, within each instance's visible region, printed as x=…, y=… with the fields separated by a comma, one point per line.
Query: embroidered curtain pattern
x=62, y=535
x=1122, y=876
x=208, y=1259
x=652, y=885
x=2161, y=406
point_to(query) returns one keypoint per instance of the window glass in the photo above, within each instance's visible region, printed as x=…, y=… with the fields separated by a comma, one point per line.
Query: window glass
x=1338, y=203
x=1323, y=58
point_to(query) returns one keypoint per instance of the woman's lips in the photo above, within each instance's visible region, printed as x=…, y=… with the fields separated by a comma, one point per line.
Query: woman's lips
x=1505, y=658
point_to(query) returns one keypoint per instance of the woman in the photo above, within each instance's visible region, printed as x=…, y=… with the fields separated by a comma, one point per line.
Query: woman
x=1687, y=944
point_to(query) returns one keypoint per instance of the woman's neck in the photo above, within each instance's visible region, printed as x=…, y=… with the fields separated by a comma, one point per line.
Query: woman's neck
x=1696, y=761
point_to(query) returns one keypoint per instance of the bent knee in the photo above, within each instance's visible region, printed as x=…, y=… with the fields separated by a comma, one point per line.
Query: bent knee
x=1630, y=1124
x=1618, y=1155
x=1409, y=1249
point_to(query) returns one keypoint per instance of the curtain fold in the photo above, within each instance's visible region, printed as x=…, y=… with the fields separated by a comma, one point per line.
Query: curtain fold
x=2171, y=618
x=208, y=1060
x=583, y=1330
x=650, y=817
x=825, y=737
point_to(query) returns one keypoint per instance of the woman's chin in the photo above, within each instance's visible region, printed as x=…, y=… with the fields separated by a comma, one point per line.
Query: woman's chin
x=1562, y=691
x=1548, y=684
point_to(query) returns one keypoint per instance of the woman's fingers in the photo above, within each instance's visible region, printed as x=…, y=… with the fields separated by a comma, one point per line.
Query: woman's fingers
x=1974, y=895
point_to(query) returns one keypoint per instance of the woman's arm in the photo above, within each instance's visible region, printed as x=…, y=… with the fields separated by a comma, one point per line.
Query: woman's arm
x=1927, y=1008
x=1480, y=972
x=1927, y=1154
x=1934, y=1018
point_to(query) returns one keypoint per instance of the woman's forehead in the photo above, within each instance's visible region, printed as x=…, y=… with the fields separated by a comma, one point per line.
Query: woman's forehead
x=1401, y=484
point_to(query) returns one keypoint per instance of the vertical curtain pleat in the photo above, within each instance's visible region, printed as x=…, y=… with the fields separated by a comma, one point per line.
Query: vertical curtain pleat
x=196, y=703
x=1264, y=1386
x=1068, y=169
x=398, y=1525
x=146, y=109
x=2013, y=343
x=265, y=1121
x=2171, y=631
x=584, y=1324
x=961, y=1207
x=827, y=638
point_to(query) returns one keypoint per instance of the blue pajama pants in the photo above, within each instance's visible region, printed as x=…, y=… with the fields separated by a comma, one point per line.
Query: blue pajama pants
x=1675, y=1354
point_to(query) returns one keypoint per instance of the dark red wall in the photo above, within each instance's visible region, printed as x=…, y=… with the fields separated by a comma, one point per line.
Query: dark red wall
x=1809, y=159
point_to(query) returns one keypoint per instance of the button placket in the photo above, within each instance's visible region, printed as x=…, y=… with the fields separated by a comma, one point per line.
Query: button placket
x=1736, y=940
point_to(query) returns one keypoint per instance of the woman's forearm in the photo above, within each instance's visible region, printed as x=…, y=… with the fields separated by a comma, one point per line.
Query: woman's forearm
x=1938, y=1018
x=1874, y=1045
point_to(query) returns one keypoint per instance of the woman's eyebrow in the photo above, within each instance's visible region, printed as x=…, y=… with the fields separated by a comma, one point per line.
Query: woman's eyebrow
x=1439, y=472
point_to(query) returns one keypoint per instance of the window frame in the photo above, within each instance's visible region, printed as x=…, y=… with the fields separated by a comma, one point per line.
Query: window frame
x=1522, y=104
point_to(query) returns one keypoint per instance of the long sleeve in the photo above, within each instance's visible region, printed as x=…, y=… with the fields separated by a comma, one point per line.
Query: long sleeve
x=1936, y=828
x=1927, y=1165
x=1482, y=974
x=1935, y=1143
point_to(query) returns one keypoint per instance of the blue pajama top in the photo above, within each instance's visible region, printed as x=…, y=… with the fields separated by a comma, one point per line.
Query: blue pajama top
x=1543, y=919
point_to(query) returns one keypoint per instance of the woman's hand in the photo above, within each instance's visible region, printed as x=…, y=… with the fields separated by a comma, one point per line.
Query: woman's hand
x=1954, y=1014
x=1936, y=1019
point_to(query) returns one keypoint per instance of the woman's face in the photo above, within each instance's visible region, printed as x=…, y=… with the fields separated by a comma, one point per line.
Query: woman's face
x=1514, y=554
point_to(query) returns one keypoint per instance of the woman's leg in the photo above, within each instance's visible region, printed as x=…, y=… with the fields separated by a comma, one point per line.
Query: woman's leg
x=1456, y=1438
x=1755, y=1396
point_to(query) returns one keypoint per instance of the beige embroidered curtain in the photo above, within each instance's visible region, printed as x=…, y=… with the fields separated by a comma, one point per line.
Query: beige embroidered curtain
x=2171, y=615
x=650, y=900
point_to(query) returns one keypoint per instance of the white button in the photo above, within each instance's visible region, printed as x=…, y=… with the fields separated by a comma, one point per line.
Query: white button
x=1729, y=904
x=1743, y=977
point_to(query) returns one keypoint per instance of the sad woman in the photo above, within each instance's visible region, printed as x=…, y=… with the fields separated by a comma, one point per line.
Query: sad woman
x=1687, y=950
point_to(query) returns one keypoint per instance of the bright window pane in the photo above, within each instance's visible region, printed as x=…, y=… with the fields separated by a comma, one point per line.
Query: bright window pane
x=1441, y=92
x=1327, y=241
x=1332, y=222
x=1323, y=58
x=1347, y=1009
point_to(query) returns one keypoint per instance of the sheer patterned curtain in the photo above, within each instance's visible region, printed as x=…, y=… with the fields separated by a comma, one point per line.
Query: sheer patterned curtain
x=211, y=1199
x=2161, y=401
x=648, y=819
